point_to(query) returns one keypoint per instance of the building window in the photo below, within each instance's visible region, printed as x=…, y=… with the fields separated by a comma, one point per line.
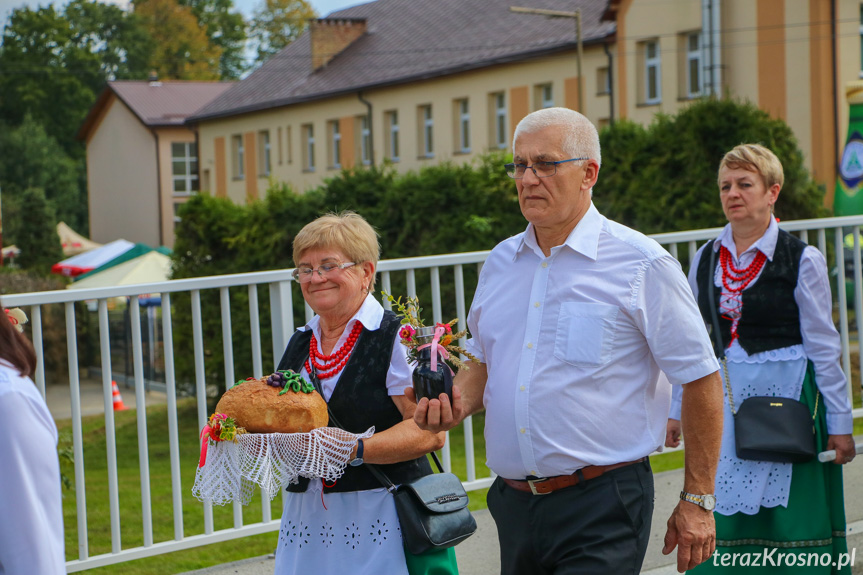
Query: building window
x=497, y=105
x=264, y=158
x=288, y=148
x=652, y=72
x=184, y=168
x=544, y=96
x=603, y=81
x=693, y=65
x=309, y=148
x=334, y=148
x=279, y=144
x=392, y=133
x=462, y=114
x=426, y=132
x=365, y=141
x=238, y=156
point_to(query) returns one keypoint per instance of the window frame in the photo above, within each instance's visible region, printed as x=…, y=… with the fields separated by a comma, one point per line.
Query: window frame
x=309, y=148
x=238, y=153
x=265, y=166
x=393, y=130
x=427, y=131
x=499, y=123
x=189, y=160
x=693, y=56
x=334, y=143
x=652, y=63
x=463, y=125
x=365, y=132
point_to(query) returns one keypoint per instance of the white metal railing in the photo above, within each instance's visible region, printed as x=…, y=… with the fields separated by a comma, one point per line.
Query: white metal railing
x=825, y=233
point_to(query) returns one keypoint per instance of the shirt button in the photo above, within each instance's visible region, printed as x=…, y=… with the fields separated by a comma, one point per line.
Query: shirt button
x=523, y=430
x=521, y=388
x=530, y=346
x=536, y=304
x=545, y=264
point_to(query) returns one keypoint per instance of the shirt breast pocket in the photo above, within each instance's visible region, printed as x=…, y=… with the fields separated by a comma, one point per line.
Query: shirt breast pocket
x=585, y=333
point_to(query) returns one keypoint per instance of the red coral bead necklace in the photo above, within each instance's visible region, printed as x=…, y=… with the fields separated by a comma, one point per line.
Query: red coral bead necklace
x=327, y=366
x=734, y=281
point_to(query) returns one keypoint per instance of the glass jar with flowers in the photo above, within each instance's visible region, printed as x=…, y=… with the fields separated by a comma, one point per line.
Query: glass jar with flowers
x=431, y=348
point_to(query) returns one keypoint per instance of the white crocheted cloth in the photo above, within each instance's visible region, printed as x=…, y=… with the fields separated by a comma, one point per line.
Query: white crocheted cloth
x=234, y=469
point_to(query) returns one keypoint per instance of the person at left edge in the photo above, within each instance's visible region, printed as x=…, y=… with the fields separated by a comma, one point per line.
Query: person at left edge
x=31, y=508
x=352, y=526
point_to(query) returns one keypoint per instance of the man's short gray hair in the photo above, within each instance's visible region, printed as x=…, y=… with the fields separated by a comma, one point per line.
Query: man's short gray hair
x=580, y=139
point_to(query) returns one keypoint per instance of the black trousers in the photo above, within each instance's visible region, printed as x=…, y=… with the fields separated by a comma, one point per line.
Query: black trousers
x=600, y=527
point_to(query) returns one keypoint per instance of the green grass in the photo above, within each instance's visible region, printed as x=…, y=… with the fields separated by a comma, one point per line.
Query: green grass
x=98, y=515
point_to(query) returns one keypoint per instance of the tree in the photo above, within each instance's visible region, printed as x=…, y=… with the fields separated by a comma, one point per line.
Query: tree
x=40, y=246
x=277, y=23
x=30, y=158
x=182, y=49
x=53, y=64
x=226, y=30
x=663, y=178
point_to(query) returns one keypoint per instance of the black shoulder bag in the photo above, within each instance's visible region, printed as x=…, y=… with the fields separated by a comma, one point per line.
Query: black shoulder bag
x=432, y=510
x=777, y=429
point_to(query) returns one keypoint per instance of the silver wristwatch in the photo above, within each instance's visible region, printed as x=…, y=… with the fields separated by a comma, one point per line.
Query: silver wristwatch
x=707, y=502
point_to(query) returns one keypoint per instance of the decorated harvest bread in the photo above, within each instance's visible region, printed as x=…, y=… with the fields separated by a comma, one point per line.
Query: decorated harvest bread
x=280, y=403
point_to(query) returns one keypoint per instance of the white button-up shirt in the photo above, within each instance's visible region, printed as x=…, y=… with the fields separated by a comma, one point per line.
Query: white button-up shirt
x=574, y=343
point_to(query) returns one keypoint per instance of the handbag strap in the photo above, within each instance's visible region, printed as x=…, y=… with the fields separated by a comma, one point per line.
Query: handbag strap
x=717, y=335
x=373, y=469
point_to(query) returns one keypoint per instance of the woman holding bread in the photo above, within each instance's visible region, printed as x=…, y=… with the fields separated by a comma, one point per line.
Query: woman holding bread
x=351, y=347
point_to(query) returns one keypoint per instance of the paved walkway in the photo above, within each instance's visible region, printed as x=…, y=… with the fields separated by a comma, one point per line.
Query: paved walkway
x=478, y=555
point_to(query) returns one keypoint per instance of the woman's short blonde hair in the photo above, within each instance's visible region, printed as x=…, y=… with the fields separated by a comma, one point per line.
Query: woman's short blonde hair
x=755, y=158
x=347, y=232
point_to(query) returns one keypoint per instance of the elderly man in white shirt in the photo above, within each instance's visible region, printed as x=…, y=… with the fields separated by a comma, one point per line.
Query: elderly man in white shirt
x=573, y=320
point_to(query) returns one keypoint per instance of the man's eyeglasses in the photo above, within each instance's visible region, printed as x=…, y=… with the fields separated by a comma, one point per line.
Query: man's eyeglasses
x=540, y=169
x=304, y=274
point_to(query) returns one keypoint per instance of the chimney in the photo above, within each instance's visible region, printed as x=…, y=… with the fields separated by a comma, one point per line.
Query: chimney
x=330, y=36
x=154, y=78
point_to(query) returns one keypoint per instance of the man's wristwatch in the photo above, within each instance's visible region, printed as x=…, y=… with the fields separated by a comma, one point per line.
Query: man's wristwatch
x=707, y=502
x=358, y=460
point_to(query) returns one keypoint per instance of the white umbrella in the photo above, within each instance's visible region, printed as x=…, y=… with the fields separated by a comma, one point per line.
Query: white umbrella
x=149, y=268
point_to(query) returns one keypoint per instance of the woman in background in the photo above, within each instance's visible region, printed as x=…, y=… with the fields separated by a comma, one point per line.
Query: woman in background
x=31, y=529
x=774, y=308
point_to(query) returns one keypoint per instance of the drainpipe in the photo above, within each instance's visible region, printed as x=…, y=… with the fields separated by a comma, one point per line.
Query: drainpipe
x=835, y=78
x=610, y=84
x=159, y=185
x=371, y=129
x=716, y=47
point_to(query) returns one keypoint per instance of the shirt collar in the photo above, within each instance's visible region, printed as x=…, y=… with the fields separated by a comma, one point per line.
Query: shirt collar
x=584, y=237
x=766, y=244
x=370, y=314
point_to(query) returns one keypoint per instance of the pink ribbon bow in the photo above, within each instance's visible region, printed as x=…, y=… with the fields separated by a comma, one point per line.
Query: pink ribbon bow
x=205, y=441
x=436, y=347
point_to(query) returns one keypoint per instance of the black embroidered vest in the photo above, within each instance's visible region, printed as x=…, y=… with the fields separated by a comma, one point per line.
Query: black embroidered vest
x=360, y=400
x=770, y=318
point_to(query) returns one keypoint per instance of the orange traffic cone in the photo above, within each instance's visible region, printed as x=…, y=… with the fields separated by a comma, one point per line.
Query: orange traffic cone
x=118, y=399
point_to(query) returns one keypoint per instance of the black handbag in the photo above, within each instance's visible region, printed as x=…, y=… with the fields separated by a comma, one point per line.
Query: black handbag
x=432, y=510
x=766, y=428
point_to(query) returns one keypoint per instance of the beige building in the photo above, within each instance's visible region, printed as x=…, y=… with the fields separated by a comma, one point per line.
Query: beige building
x=420, y=82
x=142, y=161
